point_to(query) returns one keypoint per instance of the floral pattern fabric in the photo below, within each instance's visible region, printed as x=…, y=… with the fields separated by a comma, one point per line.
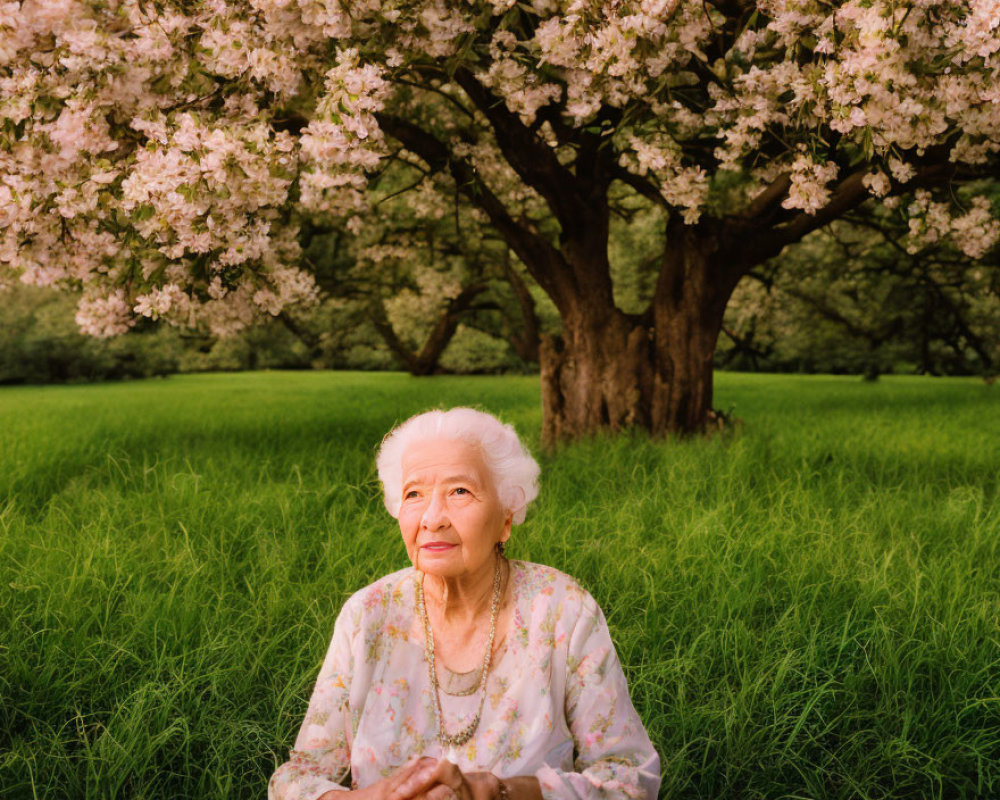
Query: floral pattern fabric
x=557, y=705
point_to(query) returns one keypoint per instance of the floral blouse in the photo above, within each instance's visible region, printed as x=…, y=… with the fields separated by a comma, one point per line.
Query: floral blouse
x=557, y=706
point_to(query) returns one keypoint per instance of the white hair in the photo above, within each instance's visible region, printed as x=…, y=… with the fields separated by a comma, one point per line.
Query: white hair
x=514, y=471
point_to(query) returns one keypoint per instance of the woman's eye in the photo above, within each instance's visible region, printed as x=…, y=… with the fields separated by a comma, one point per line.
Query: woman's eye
x=461, y=489
x=410, y=494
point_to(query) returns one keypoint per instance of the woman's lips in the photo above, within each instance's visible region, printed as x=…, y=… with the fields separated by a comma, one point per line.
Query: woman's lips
x=438, y=547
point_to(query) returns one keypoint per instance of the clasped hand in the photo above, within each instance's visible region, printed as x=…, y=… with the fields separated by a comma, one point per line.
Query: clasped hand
x=435, y=779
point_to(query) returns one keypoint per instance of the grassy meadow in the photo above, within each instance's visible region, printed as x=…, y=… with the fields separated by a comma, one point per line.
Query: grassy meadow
x=808, y=608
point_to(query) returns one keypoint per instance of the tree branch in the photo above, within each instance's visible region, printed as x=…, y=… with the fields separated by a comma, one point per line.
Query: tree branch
x=643, y=187
x=543, y=260
x=388, y=334
x=306, y=336
x=533, y=160
x=764, y=201
x=436, y=90
x=849, y=194
x=832, y=314
x=444, y=329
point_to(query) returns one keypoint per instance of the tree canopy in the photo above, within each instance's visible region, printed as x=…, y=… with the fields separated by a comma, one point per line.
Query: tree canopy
x=165, y=155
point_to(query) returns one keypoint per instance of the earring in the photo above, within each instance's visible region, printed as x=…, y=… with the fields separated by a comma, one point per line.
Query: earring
x=500, y=548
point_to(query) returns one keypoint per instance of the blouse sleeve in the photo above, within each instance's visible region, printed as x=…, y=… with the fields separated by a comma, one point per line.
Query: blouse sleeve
x=614, y=757
x=321, y=757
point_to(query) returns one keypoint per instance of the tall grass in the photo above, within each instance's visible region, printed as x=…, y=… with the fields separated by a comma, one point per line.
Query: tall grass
x=807, y=608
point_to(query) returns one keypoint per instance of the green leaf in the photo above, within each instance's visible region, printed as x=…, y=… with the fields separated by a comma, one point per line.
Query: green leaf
x=867, y=145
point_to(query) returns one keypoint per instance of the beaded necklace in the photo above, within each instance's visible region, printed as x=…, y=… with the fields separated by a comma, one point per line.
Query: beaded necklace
x=462, y=736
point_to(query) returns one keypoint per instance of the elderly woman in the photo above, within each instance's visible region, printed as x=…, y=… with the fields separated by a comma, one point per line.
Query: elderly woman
x=467, y=675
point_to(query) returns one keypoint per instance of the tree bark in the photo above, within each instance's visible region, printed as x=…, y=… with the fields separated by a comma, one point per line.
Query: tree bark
x=611, y=370
x=597, y=375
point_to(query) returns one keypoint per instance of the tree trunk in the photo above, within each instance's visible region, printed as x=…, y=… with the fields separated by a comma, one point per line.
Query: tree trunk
x=425, y=361
x=611, y=370
x=597, y=375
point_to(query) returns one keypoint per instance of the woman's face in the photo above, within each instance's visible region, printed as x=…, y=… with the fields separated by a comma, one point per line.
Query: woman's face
x=450, y=515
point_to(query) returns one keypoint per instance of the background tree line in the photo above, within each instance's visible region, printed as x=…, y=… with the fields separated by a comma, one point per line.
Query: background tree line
x=450, y=297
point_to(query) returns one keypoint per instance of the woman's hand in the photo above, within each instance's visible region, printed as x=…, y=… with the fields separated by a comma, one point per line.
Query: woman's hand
x=434, y=779
x=387, y=787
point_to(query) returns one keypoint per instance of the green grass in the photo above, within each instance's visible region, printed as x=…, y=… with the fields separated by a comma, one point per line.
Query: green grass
x=808, y=608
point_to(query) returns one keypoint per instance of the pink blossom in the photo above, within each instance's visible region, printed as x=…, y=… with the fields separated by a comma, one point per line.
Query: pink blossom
x=161, y=125
x=877, y=183
x=104, y=316
x=809, y=184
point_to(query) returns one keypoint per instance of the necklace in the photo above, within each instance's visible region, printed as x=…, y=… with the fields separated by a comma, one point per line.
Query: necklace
x=470, y=680
x=462, y=736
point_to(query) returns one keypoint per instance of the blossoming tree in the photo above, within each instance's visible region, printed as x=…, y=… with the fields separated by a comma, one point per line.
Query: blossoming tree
x=424, y=265
x=161, y=154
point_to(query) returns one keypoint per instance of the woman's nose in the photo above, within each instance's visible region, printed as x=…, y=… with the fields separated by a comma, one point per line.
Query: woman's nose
x=434, y=516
